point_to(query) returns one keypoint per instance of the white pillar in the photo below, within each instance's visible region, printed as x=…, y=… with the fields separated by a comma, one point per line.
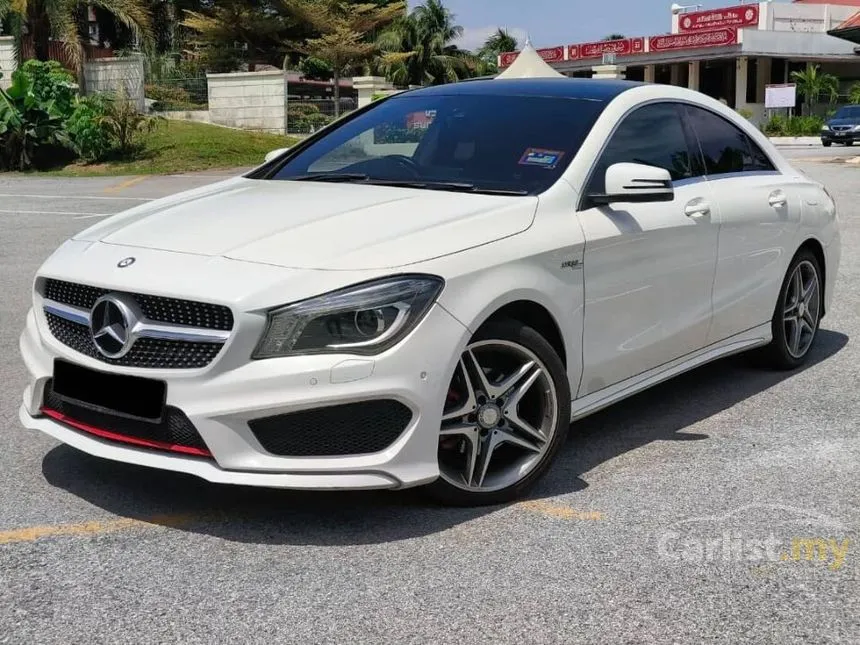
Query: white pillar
x=650, y=73
x=7, y=60
x=741, y=68
x=609, y=71
x=367, y=86
x=693, y=77
x=762, y=78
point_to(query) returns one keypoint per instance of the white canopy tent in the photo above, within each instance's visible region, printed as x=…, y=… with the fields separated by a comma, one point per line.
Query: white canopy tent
x=529, y=64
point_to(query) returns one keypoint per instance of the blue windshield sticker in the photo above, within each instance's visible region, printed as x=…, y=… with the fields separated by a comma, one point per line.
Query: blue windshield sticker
x=541, y=157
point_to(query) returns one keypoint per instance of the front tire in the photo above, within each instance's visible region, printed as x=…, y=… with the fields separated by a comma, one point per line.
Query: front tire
x=506, y=417
x=798, y=313
x=827, y=144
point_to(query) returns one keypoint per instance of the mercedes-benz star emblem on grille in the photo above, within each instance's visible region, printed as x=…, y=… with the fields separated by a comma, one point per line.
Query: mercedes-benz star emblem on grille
x=127, y=262
x=111, y=325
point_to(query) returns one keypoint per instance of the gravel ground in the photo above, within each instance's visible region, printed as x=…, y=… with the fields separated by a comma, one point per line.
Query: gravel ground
x=668, y=519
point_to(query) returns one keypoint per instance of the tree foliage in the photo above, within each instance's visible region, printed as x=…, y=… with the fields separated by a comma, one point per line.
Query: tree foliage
x=343, y=28
x=420, y=48
x=813, y=84
x=42, y=20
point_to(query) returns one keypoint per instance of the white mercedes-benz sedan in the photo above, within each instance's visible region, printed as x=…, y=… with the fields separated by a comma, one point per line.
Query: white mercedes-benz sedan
x=429, y=291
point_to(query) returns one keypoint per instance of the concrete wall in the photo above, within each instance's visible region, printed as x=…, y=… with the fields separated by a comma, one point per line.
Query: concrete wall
x=111, y=74
x=7, y=60
x=249, y=100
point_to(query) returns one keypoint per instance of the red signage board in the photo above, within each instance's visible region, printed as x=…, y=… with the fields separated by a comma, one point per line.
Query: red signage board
x=625, y=47
x=550, y=55
x=716, y=38
x=507, y=59
x=743, y=16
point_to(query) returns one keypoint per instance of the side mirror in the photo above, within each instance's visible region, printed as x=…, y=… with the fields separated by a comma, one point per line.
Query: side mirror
x=636, y=183
x=275, y=153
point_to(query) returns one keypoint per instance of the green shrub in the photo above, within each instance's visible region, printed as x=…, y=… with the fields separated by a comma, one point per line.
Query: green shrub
x=795, y=126
x=90, y=139
x=32, y=131
x=124, y=124
x=306, y=118
x=50, y=82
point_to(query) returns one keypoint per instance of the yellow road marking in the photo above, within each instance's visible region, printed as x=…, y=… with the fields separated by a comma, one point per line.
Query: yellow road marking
x=560, y=511
x=33, y=533
x=126, y=184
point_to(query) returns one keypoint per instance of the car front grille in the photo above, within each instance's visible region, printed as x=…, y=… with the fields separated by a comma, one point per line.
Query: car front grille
x=351, y=429
x=155, y=308
x=151, y=353
x=175, y=433
x=841, y=128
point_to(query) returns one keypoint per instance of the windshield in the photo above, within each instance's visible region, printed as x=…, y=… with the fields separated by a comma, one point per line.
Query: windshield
x=517, y=145
x=848, y=113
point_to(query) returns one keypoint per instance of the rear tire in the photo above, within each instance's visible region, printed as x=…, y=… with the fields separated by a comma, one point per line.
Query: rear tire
x=797, y=314
x=506, y=418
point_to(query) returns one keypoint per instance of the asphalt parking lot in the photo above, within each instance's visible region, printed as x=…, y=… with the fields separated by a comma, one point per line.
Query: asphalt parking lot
x=680, y=516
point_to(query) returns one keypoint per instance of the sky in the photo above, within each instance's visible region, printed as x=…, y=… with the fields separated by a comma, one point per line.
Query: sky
x=564, y=22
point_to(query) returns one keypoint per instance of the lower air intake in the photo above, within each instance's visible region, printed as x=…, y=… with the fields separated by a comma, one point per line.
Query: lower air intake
x=351, y=429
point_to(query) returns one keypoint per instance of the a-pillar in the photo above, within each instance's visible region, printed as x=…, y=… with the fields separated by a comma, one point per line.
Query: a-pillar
x=650, y=73
x=367, y=86
x=741, y=72
x=694, y=75
x=7, y=60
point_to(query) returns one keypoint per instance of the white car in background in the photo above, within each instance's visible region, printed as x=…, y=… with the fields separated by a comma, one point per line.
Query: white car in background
x=429, y=291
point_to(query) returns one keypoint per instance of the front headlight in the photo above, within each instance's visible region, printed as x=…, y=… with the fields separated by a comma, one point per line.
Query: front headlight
x=366, y=318
x=857, y=128
x=824, y=128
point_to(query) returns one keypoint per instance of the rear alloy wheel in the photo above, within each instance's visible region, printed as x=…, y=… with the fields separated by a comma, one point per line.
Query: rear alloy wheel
x=506, y=416
x=798, y=313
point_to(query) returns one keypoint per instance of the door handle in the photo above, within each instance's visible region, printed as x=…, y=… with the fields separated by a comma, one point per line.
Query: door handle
x=697, y=208
x=777, y=199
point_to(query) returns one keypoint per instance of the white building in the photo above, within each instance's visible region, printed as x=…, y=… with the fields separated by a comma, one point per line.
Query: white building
x=730, y=53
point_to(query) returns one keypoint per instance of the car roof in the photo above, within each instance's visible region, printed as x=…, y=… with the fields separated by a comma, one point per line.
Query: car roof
x=568, y=88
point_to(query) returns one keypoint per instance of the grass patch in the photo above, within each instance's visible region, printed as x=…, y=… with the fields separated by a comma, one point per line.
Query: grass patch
x=185, y=146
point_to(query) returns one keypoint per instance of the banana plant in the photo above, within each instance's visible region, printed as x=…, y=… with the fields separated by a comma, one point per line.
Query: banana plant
x=30, y=129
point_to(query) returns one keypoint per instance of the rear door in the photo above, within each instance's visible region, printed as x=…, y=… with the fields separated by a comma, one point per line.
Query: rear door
x=649, y=268
x=760, y=210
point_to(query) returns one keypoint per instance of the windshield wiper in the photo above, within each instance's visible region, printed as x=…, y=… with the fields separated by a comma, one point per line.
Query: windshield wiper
x=360, y=178
x=330, y=176
x=453, y=186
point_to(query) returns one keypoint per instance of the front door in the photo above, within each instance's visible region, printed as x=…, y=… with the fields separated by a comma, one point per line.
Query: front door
x=649, y=268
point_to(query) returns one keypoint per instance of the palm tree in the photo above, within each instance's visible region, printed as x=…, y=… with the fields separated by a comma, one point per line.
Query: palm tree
x=499, y=43
x=43, y=20
x=812, y=84
x=854, y=94
x=343, y=29
x=615, y=37
x=420, y=49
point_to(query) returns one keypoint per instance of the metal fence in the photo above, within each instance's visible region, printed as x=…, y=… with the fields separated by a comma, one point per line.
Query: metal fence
x=177, y=94
x=306, y=115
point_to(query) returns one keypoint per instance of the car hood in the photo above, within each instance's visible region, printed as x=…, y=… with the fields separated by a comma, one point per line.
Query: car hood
x=312, y=225
x=833, y=122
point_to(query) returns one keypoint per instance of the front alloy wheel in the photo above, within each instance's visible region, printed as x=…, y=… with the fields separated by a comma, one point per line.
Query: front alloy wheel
x=506, y=415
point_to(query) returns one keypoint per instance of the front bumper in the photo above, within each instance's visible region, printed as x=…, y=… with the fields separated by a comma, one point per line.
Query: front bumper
x=220, y=403
x=840, y=137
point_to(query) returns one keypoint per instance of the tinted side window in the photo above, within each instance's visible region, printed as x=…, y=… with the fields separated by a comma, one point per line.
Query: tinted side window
x=726, y=148
x=652, y=135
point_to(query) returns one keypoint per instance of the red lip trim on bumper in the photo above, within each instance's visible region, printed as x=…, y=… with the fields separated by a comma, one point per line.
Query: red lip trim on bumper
x=121, y=438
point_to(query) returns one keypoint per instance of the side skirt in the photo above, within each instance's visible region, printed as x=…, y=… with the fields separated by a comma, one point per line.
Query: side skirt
x=755, y=337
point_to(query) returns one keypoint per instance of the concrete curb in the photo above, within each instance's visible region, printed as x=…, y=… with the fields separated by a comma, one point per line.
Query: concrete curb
x=785, y=142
